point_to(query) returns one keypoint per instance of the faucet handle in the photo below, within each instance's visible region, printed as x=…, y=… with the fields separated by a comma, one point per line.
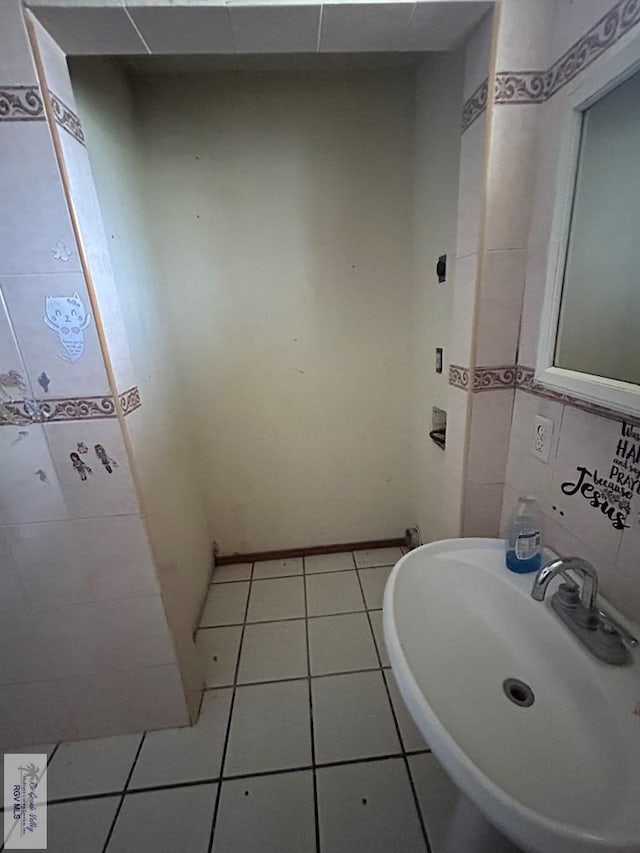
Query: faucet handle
x=610, y=625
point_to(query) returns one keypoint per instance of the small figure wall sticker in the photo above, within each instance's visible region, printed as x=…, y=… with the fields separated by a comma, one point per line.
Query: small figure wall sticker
x=106, y=460
x=41, y=475
x=44, y=382
x=612, y=491
x=81, y=447
x=10, y=381
x=68, y=318
x=81, y=467
x=61, y=252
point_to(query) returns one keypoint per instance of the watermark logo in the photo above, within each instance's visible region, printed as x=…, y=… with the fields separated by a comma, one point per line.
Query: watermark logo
x=25, y=801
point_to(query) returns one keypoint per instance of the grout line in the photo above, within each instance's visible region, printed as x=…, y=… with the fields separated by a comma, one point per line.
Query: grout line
x=231, y=707
x=124, y=791
x=288, y=618
x=313, y=740
x=398, y=731
x=137, y=29
x=193, y=783
x=288, y=678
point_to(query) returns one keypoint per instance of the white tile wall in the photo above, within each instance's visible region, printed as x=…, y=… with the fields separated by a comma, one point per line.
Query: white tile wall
x=82, y=560
x=29, y=490
x=470, y=187
x=102, y=493
x=32, y=191
x=500, y=307
x=41, y=347
x=489, y=440
x=510, y=176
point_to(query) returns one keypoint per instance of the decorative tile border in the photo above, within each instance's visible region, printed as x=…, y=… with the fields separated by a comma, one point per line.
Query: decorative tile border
x=525, y=381
x=534, y=87
x=130, y=400
x=55, y=409
x=459, y=376
x=494, y=378
x=21, y=103
x=66, y=118
x=521, y=378
x=606, y=32
x=475, y=105
x=520, y=87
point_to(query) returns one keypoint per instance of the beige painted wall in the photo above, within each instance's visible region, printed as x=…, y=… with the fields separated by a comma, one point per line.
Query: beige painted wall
x=281, y=209
x=172, y=498
x=436, y=165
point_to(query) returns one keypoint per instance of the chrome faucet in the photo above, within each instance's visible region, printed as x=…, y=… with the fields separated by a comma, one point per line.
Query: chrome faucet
x=560, y=566
x=595, y=629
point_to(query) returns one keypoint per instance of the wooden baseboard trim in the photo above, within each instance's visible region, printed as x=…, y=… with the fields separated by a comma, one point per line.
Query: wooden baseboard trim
x=287, y=553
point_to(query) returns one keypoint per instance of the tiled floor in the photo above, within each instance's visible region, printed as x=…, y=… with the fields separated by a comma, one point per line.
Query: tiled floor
x=303, y=743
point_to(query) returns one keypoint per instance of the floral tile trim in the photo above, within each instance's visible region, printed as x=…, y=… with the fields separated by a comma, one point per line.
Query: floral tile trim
x=475, y=105
x=493, y=378
x=534, y=87
x=66, y=118
x=521, y=378
x=21, y=103
x=459, y=376
x=607, y=31
x=525, y=381
x=55, y=409
x=130, y=400
x=520, y=87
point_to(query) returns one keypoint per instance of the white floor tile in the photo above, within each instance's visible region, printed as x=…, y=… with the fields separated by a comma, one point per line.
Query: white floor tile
x=329, y=562
x=166, y=821
x=373, y=584
x=437, y=795
x=273, y=650
x=277, y=568
x=352, y=717
x=409, y=732
x=218, y=651
x=279, y=598
x=80, y=827
x=368, y=808
x=378, y=633
x=337, y=592
x=189, y=753
x=377, y=557
x=232, y=572
x=226, y=603
x=266, y=813
x=270, y=728
x=341, y=643
x=91, y=766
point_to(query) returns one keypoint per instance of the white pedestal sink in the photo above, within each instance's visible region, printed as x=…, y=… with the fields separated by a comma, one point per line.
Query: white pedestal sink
x=559, y=776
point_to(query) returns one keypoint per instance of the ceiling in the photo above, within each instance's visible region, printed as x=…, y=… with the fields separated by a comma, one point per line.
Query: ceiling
x=138, y=27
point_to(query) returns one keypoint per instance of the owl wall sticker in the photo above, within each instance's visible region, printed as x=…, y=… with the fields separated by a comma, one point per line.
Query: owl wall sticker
x=68, y=318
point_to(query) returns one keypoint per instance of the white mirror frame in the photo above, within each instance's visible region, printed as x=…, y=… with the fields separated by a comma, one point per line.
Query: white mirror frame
x=607, y=73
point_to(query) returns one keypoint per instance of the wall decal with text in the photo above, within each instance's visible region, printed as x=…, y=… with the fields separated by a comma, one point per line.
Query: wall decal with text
x=68, y=318
x=612, y=492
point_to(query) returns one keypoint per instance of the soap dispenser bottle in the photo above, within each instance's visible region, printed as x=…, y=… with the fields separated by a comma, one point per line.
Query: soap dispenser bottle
x=524, y=537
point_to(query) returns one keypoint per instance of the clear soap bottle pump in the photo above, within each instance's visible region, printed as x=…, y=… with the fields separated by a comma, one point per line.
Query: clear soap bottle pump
x=524, y=538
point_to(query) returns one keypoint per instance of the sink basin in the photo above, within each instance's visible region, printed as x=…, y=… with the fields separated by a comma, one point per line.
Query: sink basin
x=561, y=775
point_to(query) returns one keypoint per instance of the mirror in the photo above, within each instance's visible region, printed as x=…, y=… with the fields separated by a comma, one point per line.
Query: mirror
x=599, y=318
x=590, y=327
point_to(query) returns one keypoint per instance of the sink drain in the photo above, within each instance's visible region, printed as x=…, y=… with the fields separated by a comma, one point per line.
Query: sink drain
x=518, y=692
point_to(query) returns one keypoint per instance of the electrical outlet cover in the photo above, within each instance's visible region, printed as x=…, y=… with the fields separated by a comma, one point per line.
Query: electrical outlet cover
x=542, y=437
